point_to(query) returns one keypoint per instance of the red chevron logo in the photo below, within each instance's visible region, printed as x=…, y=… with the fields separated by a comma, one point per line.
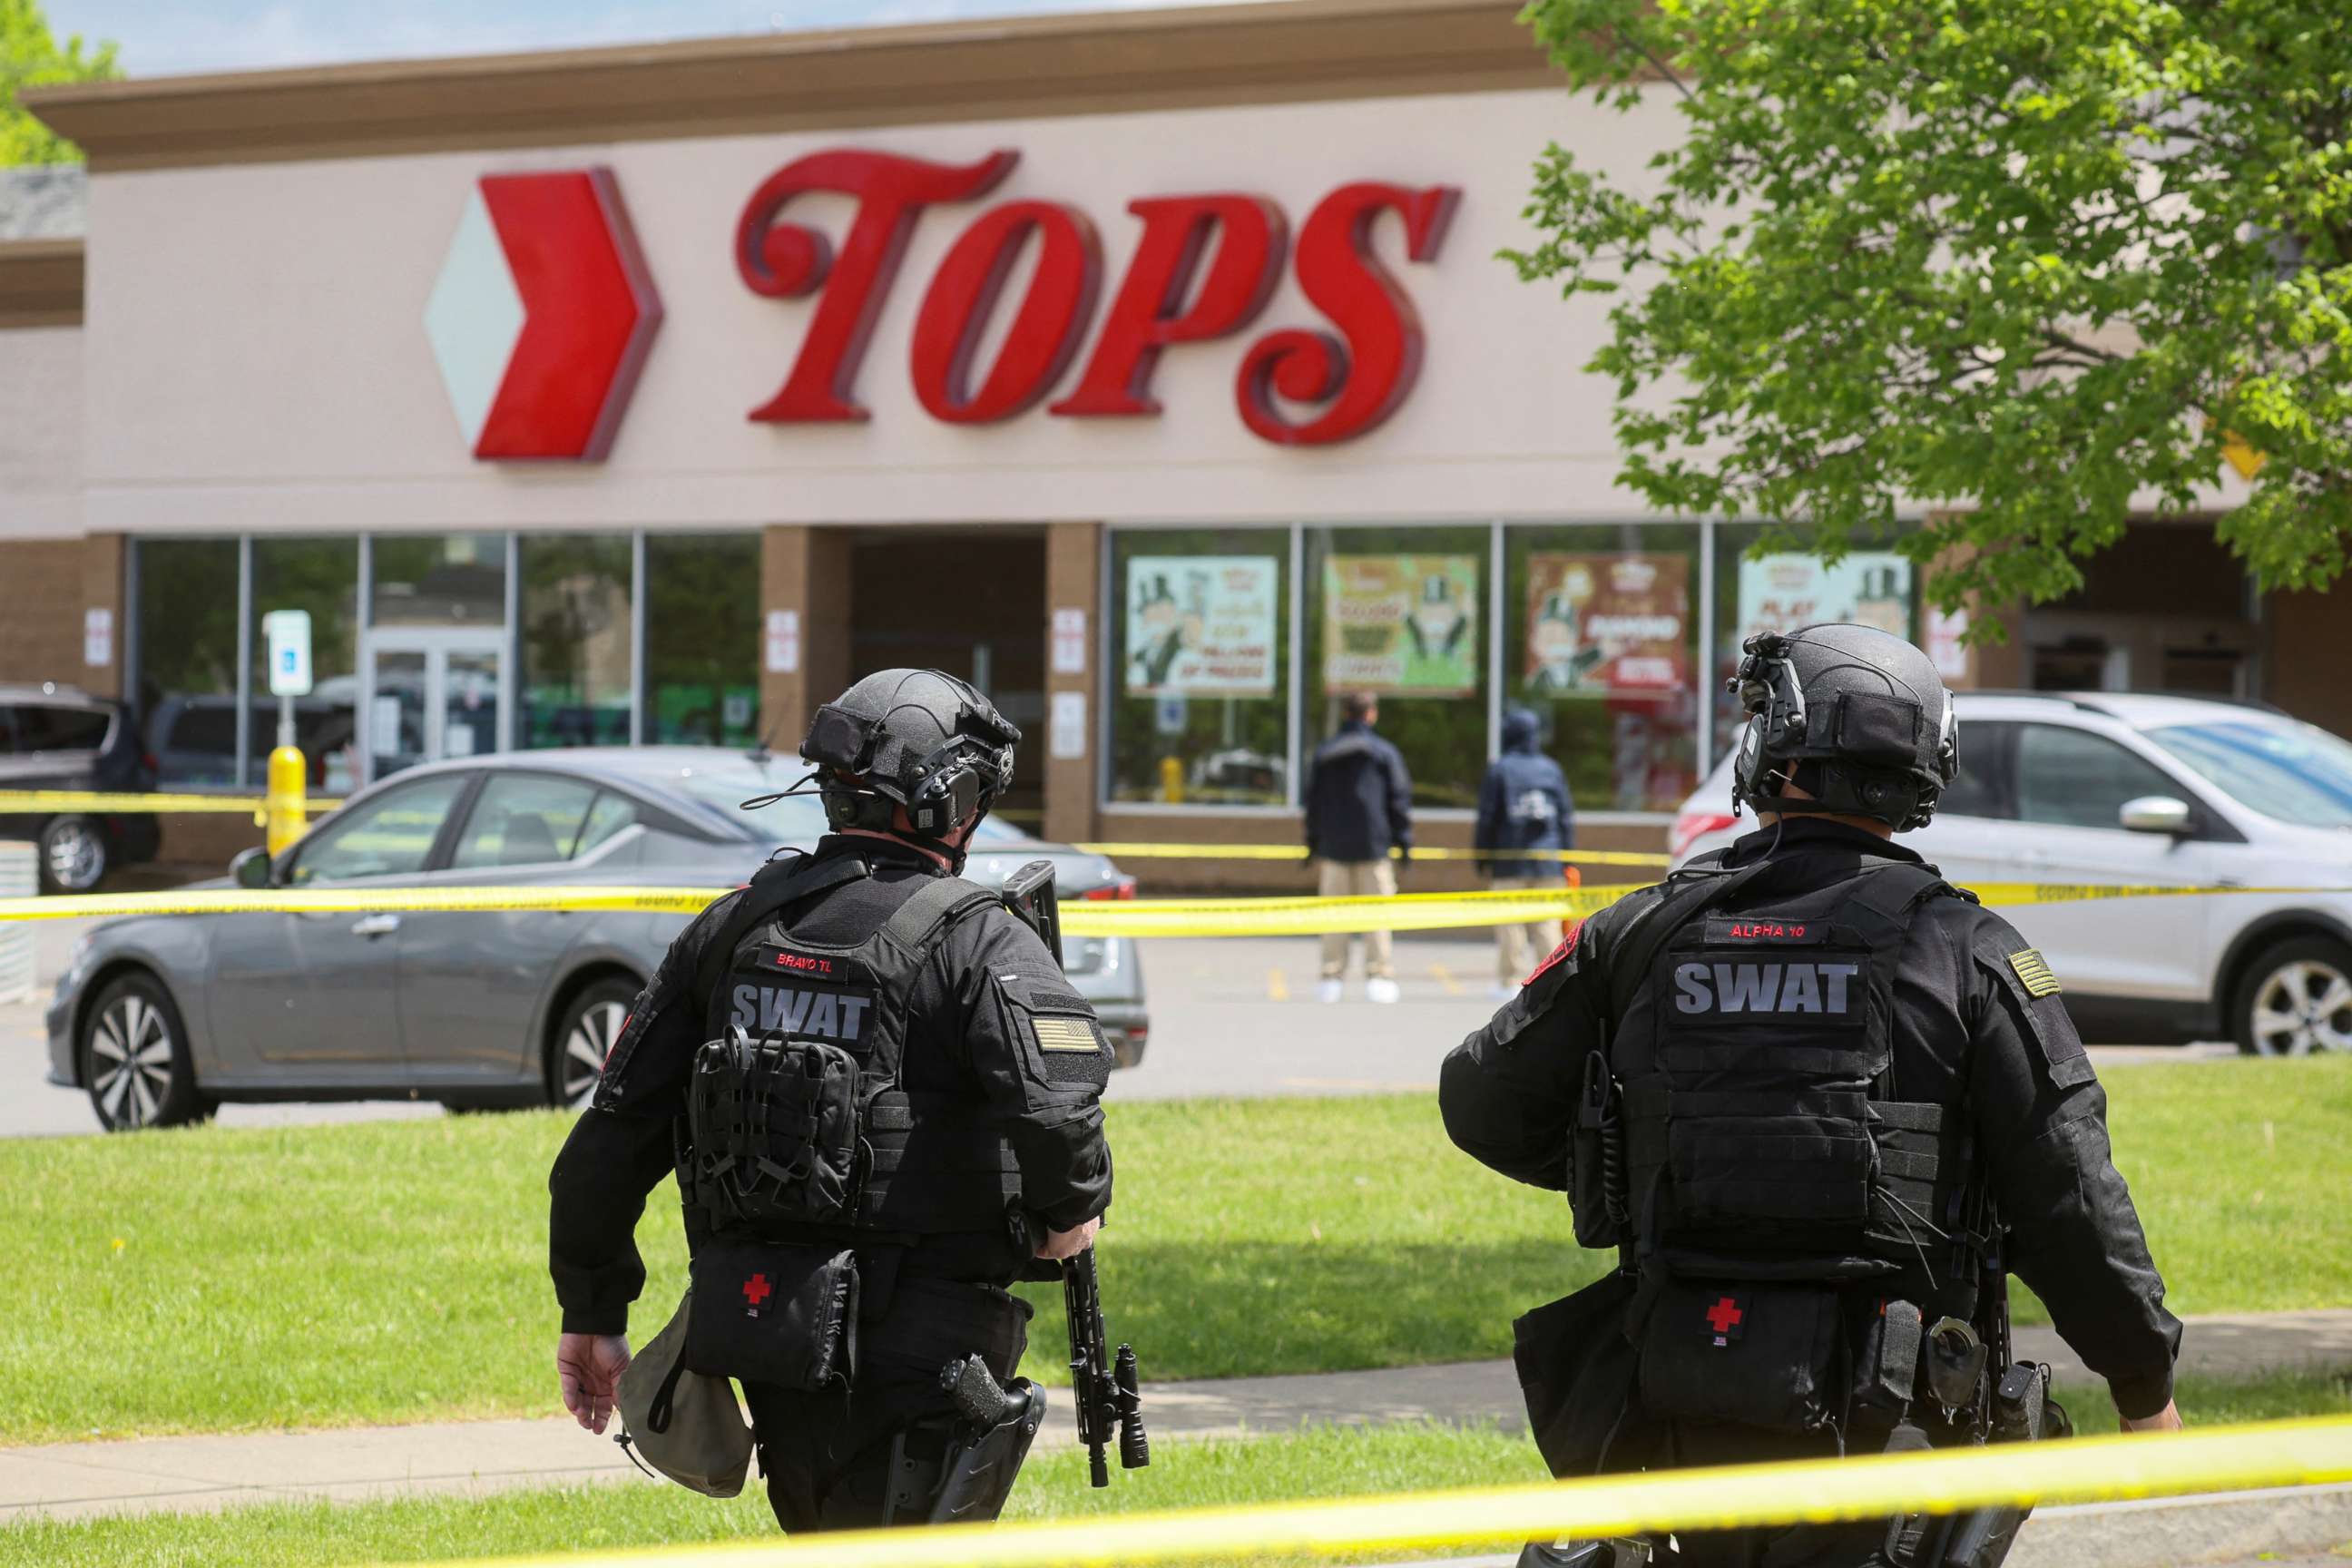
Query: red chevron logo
x=541, y=315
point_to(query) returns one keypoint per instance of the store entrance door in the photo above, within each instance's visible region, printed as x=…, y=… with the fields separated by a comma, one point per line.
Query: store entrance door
x=430, y=693
x=971, y=602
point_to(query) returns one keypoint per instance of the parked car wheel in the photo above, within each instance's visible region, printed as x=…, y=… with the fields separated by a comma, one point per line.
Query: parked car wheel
x=73, y=854
x=135, y=1062
x=584, y=1037
x=2297, y=999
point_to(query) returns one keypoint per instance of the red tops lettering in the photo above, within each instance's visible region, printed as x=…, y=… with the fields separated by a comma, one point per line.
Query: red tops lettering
x=1203, y=267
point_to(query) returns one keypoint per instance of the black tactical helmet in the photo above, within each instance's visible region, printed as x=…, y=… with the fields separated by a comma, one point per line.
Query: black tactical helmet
x=1856, y=717
x=915, y=737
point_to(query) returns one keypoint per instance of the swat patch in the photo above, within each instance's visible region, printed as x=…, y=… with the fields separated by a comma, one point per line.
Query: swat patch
x=2033, y=972
x=1725, y=990
x=765, y=1011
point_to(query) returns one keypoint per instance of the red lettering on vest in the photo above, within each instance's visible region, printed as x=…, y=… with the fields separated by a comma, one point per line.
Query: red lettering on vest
x=801, y=960
x=1249, y=236
x=786, y=260
x=1044, y=335
x=1366, y=379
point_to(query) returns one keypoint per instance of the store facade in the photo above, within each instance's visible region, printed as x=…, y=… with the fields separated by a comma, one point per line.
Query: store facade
x=1155, y=369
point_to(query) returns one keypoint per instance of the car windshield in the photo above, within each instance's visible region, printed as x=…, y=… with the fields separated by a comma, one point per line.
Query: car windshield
x=2294, y=773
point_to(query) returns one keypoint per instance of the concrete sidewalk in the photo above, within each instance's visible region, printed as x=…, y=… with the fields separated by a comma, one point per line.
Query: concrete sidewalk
x=73, y=1479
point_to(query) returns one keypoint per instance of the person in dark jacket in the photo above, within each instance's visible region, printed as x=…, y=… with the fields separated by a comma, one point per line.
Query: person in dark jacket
x=1359, y=808
x=979, y=1144
x=1823, y=1103
x=1523, y=804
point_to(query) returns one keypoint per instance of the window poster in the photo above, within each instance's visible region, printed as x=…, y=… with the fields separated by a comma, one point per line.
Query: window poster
x=1607, y=625
x=1401, y=623
x=1201, y=625
x=1781, y=592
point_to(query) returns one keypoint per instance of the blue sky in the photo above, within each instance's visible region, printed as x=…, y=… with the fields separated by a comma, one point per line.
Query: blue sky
x=161, y=37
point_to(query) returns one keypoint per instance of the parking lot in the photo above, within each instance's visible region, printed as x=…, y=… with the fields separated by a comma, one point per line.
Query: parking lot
x=1230, y=1017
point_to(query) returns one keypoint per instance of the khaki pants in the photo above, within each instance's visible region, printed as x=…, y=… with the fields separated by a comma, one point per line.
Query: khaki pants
x=1356, y=880
x=1512, y=957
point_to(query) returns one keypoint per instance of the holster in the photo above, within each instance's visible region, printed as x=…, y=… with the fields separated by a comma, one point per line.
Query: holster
x=1576, y=1370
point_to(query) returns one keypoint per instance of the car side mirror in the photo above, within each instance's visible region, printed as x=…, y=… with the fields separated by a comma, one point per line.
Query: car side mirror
x=2158, y=813
x=250, y=869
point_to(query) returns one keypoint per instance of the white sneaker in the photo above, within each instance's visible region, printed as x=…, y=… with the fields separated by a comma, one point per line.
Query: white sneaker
x=1382, y=989
x=1329, y=990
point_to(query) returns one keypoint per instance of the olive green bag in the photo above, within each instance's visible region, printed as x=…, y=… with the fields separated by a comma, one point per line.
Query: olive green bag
x=684, y=1425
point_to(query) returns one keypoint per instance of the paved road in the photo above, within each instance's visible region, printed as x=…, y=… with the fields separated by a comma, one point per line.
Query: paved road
x=1230, y=1017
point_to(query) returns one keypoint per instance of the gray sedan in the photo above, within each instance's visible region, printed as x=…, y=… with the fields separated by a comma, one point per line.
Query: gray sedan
x=158, y=1018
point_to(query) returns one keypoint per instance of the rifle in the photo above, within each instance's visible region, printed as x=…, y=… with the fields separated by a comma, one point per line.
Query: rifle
x=1105, y=1388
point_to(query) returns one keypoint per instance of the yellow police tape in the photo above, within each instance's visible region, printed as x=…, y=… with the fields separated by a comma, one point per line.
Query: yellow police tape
x=2271, y=1455
x=45, y=802
x=1152, y=916
x=1298, y=853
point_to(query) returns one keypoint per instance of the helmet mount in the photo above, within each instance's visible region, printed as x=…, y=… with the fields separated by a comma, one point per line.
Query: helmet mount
x=917, y=739
x=1860, y=711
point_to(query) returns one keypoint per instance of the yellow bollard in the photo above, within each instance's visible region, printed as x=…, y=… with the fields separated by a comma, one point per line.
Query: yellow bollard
x=1172, y=781
x=283, y=805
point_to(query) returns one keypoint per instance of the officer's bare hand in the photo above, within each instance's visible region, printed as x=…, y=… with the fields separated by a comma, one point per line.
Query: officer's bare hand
x=2165, y=1420
x=590, y=1366
x=1059, y=1244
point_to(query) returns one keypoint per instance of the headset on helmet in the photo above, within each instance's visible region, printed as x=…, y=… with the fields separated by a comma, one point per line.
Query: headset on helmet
x=915, y=737
x=1868, y=719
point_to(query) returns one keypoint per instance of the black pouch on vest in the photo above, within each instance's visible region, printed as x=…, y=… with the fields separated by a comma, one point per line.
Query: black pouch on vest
x=1575, y=1372
x=1756, y=1354
x=785, y=1316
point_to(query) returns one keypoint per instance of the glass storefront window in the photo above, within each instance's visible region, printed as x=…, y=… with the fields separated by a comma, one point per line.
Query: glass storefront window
x=1600, y=642
x=438, y=580
x=1780, y=593
x=1401, y=613
x=322, y=576
x=702, y=639
x=575, y=639
x=187, y=659
x=1200, y=710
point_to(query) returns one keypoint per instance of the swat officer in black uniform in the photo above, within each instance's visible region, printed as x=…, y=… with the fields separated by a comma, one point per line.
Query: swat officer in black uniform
x=1821, y=1103
x=880, y=1098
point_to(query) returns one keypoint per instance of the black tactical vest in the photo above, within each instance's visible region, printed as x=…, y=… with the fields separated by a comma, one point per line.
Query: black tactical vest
x=1753, y=1053
x=798, y=1122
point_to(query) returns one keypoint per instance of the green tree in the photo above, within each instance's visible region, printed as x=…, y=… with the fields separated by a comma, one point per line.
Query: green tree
x=2025, y=266
x=30, y=56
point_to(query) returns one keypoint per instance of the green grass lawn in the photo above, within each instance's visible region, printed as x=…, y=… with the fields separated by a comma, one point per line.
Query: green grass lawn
x=217, y=1279
x=1319, y=1463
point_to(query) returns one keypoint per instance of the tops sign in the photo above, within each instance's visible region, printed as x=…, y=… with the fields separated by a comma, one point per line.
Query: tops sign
x=1203, y=267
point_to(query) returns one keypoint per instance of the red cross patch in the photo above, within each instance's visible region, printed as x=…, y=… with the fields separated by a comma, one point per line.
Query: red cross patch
x=757, y=1289
x=1727, y=1317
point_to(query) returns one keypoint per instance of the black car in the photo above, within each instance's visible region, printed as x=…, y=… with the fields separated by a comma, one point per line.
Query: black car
x=53, y=737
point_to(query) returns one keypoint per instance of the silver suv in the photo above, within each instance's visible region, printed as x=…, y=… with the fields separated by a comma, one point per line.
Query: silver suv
x=55, y=737
x=2107, y=788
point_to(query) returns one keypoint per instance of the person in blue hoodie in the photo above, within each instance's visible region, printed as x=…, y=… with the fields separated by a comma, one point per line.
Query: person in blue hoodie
x=1358, y=812
x=1524, y=804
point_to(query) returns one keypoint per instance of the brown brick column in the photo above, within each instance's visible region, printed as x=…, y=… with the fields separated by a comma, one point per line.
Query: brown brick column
x=103, y=559
x=1990, y=666
x=1073, y=585
x=805, y=623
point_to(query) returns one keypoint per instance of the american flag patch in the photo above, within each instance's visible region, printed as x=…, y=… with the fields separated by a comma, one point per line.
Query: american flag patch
x=2034, y=971
x=1066, y=1035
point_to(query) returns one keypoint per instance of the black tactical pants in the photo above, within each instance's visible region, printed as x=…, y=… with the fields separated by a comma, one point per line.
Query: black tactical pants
x=828, y=1457
x=1800, y=1546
